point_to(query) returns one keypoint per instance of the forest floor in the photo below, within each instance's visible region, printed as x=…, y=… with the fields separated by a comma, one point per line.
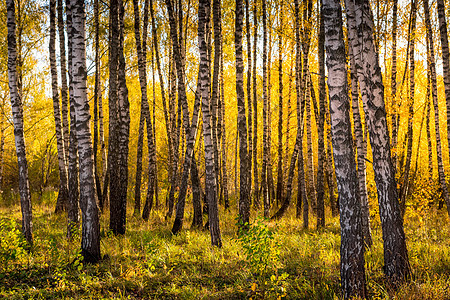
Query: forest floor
x=276, y=260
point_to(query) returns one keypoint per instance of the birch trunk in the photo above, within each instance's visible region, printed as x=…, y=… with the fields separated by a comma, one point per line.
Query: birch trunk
x=394, y=104
x=204, y=27
x=361, y=154
x=280, y=105
x=73, y=215
x=245, y=166
x=352, y=246
x=90, y=236
x=321, y=123
x=254, y=151
x=63, y=70
x=264, y=170
x=17, y=114
x=409, y=135
x=97, y=99
x=434, y=94
x=397, y=268
x=446, y=68
x=61, y=201
x=249, y=93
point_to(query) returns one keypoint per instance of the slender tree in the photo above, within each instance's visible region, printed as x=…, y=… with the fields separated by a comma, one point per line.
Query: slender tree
x=73, y=208
x=280, y=104
x=397, y=268
x=321, y=123
x=264, y=170
x=434, y=95
x=17, y=114
x=244, y=167
x=361, y=148
x=204, y=27
x=409, y=134
x=446, y=68
x=61, y=201
x=90, y=236
x=254, y=151
x=352, y=246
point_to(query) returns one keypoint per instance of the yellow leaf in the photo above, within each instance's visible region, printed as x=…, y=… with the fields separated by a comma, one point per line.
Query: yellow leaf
x=254, y=286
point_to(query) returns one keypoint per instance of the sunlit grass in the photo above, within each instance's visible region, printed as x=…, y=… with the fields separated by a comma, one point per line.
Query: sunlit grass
x=149, y=262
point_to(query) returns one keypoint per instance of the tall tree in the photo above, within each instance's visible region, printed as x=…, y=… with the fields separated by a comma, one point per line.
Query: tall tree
x=63, y=71
x=264, y=170
x=249, y=90
x=446, y=68
x=90, y=236
x=352, y=246
x=254, y=151
x=17, y=114
x=204, y=27
x=244, y=167
x=409, y=134
x=119, y=121
x=280, y=104
x=361, y=148
x=73, y=208
x=394, y=84
x=97, y=99
x=397, y=268
x=141, y=47
x=61, y=202
x=321, y=123
x=434, y=94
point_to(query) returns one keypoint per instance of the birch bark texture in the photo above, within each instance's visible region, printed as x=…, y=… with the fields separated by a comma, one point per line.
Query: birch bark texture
x=244, y=166
x=17, y=114
x=61, y=201
x=397, y=268
x=204, y=28
x=90, y=236
x=352, y=243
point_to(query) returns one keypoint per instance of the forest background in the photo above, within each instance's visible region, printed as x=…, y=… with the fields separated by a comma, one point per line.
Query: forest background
x=284, y=241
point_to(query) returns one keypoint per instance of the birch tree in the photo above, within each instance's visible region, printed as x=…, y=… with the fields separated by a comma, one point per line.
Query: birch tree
x=397, y=268
x=352, y=246
x=90, y=234
x=17, y=114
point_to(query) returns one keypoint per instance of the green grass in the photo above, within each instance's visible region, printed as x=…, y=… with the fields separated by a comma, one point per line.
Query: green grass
x=149, y=262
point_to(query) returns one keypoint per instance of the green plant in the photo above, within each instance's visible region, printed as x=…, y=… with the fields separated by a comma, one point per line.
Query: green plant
x=262, y=253
x=12, y=243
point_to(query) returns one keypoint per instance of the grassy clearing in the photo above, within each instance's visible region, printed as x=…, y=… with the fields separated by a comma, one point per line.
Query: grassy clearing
x=149, y=262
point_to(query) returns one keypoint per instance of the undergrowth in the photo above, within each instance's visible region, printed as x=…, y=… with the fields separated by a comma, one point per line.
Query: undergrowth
x=271, y=260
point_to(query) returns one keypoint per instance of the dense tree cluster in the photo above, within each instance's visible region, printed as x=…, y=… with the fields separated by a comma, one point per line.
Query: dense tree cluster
x=222, y=91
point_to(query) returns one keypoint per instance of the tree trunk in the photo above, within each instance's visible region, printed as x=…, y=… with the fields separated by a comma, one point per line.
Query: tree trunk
x=352, y=246
x=63, y=187
x=409, y=135
x=118, y=122
x=302, y=196
x=321, y=124
x=161, y=82
x=249, y=92
x=245, y=167
x=63, y=70
x=434, y=93
x=264, y=179
x=145, y=113
x=90, y=236
x=397, y=268
x=394, y=104
x=280, y=105
x=446, y=68
x=361, y=154
x=204, y=27
x=17, y=114
x=254, y=151
x=97, y=98
x=73, y=217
